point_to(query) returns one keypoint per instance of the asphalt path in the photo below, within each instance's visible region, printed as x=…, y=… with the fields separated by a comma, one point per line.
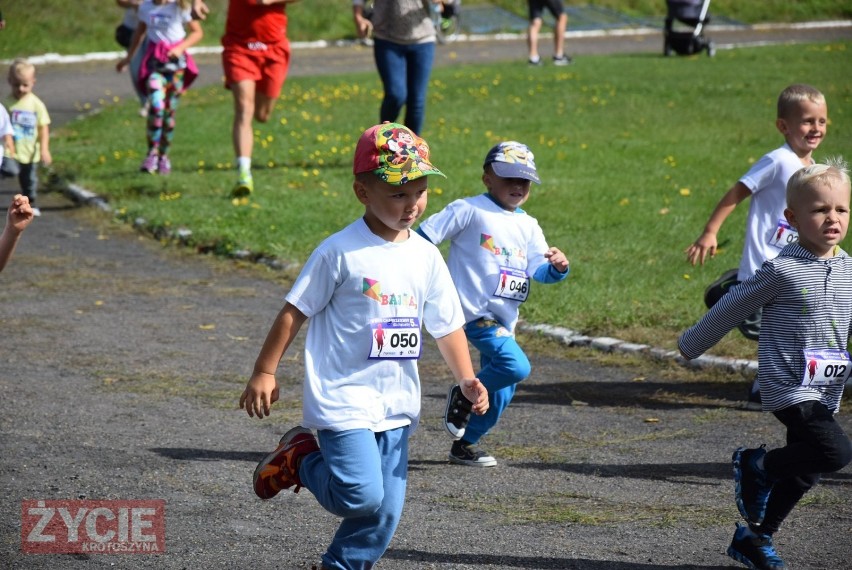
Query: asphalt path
x=122, y=362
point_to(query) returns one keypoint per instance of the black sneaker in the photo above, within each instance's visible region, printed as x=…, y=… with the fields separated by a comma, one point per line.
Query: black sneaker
x=756, y=552
x=464, y=453
x=752, y=485
x=562, y=60
x=457, y=412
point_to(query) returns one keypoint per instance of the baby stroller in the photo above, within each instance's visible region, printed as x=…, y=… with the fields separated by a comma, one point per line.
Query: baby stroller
x=692, y=13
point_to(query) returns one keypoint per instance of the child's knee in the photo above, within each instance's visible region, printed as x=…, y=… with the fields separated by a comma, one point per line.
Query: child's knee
x=361, y=500
x=840, y=455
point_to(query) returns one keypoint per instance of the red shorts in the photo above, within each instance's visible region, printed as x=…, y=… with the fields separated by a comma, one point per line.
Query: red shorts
x=266, y=65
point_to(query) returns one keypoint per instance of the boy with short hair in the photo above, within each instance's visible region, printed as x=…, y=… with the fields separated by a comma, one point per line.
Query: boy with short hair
x=806, y=295
x=802, y=118
x=31, y=123
x=362, y=398
x=495, y=250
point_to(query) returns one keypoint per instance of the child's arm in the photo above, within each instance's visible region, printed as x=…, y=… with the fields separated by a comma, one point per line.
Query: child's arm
x=44, y=144
x=706, y=243
x=9, y=145
x=262, y=389
x=135, y=42
x=18, y=217
x=454, y=349
x=556, y=268
x=193, y=37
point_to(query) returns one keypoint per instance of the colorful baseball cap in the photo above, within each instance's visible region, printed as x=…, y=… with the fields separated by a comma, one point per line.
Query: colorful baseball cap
x=511, y=159
x=393, y=153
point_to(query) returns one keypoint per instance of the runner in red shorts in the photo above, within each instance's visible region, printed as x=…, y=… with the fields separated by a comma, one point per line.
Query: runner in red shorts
x=255, y=59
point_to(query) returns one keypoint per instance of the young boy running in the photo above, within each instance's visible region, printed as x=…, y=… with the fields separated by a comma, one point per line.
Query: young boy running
x=802, y=119
x=806, y=295
x=495, y=250
x=364, y=399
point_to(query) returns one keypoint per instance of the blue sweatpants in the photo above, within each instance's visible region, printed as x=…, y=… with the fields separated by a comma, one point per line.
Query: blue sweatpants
x=502, y=365
x=361, y=476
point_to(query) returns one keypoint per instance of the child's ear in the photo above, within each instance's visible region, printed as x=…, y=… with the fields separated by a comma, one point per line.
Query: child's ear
x=781, y=125
x=360, y=192
x=791, y=218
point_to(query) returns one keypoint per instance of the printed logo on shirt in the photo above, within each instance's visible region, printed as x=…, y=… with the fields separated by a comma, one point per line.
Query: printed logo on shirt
x=373, y=289
x=487, y=242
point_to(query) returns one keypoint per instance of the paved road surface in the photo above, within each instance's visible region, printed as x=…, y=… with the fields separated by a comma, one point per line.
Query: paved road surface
x=121, y=364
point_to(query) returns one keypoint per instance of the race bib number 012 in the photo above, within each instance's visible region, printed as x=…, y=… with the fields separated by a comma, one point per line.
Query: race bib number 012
x=826, y=367
x=395, y=337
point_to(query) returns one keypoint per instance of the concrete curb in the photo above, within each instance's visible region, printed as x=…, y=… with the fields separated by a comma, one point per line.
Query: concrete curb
x=568, y=337
x=608, y=344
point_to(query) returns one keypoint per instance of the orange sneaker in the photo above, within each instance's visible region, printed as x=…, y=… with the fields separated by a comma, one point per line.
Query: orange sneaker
x=280, y=469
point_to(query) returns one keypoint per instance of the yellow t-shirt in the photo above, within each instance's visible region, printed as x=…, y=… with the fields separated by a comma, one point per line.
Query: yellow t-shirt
x=27, y=114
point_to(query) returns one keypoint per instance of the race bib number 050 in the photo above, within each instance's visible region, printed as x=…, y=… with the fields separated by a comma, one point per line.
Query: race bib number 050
x=395, y=337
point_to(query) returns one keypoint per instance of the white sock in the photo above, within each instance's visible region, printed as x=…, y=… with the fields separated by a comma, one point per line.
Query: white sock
x=244, y=163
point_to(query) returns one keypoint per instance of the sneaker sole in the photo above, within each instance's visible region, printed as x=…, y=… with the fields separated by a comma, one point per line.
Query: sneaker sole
x=456, y=433
x=271, y=456
x=737, y=463
x=733, y=553
x=241, y=191
x=488, y=463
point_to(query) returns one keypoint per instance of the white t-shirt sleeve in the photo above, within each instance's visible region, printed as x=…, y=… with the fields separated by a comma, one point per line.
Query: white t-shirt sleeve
x=447, y=223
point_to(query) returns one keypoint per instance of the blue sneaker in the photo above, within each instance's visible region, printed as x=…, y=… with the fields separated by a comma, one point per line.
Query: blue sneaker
x=756, y=552
x=752, y=484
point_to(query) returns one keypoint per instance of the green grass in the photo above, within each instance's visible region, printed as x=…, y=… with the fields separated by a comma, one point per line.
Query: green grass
x=81, y=26
x=634, y=152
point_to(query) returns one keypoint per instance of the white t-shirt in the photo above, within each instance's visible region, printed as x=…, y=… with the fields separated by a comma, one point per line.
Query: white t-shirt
x=5, y=123
x=767, y=180
x=165, y=21
x=351, y=280
x=485, y=238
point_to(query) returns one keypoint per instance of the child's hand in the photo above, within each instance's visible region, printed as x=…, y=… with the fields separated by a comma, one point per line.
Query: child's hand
x=705, y=246
x=476, y=393
x=175, y=53
x=46, y=158
x=260, y=393
x=557, y=259
x=20, y=213
x=122, y=63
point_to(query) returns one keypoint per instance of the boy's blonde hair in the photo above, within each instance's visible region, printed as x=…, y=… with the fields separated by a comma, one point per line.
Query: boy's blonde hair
x=790, y=99
x=21, y=67
x=835, y=169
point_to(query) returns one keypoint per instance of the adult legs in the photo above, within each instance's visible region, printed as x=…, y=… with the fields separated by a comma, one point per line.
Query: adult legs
x=390, y=63
x=559, y=35
x=244, y=110
x=404, y=71
x=419, y=67
x=532, y=39
x=361, y=476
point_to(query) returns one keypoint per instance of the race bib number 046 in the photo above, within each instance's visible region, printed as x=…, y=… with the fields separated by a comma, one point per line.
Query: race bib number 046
x=395, y=337
x=512, y=284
